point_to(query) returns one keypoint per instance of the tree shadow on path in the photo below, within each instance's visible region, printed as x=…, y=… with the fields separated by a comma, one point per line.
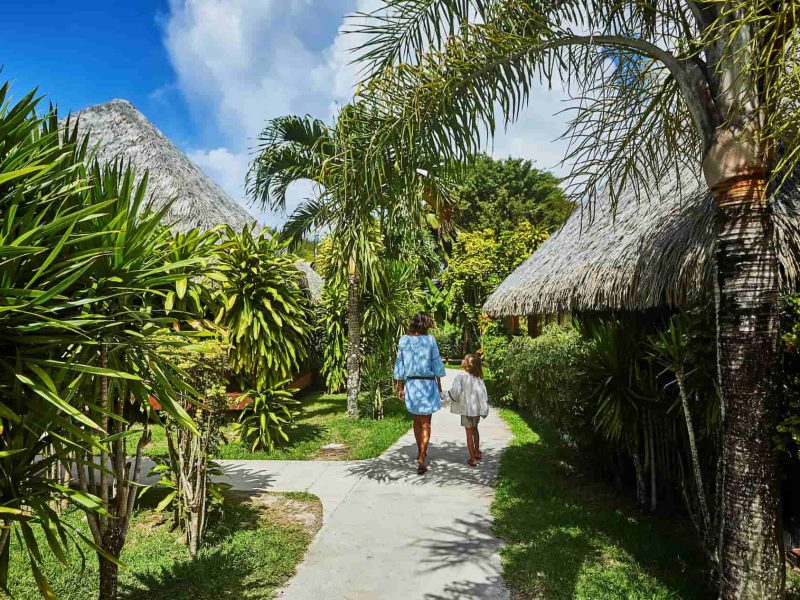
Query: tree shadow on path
x=447, y=466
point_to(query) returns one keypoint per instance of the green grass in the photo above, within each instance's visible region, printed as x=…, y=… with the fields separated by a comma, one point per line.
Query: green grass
x=571, y=536
x=252, y=550
x=323, y=421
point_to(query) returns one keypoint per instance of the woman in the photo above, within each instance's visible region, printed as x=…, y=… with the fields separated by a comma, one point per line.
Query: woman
x=417, y=373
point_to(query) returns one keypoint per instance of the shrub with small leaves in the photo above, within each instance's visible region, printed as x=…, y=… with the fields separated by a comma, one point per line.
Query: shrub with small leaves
x=448, y=339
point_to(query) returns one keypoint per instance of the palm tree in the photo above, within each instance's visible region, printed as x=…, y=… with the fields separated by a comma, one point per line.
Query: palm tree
x=352, y=194
x=660, y=87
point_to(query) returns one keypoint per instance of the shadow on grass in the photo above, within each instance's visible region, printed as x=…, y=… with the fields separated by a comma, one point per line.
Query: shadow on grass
x=249, y=551
x=213, y=575
x=216, y=572
x=571, y=536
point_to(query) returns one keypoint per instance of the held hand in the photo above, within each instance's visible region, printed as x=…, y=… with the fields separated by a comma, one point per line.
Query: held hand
x=401, y=393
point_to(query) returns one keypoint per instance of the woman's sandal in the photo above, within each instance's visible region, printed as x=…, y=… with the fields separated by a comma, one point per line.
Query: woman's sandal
x=421, y=468
x=479, y=455
x=472, y=463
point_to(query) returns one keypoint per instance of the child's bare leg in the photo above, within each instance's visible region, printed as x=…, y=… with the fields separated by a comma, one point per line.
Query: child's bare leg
x=477, y=443
x=471, y=444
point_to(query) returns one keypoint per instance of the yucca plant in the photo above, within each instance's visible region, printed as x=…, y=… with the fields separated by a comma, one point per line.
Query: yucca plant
x=44, y=222
x=134, y=275
x=683, y=355
x=630, y=412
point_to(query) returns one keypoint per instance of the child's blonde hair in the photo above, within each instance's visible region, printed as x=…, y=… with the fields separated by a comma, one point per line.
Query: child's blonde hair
x=472, y=364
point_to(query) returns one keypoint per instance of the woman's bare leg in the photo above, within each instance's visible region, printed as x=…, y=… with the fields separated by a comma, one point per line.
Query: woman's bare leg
x=477, y=443
x=418, y=434
x=425, y=437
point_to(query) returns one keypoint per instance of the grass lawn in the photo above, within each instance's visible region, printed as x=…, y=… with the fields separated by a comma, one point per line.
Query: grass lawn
x=253, y=549
x=571, y=536
x=323, y=421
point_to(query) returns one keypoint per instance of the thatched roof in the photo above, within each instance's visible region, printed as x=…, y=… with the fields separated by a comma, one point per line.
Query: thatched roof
x=117, y=130
x=654, y=253
x=314, y=281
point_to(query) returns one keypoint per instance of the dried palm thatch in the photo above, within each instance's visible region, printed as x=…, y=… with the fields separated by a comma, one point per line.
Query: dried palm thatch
x=647, y=254
x=313, y=280
x=117, y=130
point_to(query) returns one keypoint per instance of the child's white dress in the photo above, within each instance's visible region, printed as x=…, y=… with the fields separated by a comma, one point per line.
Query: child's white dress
x=469, y=399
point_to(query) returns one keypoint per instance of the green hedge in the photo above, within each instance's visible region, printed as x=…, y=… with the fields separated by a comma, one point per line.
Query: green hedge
x=449, y=340
x=545, y=375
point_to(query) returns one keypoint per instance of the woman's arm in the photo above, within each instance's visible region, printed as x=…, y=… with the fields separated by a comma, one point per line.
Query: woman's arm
x=400, y=371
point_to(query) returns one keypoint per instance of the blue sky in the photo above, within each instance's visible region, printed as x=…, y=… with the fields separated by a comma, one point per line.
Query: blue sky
x=209, y=73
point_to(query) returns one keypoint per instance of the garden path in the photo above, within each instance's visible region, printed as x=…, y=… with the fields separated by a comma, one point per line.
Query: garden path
x=389, y=533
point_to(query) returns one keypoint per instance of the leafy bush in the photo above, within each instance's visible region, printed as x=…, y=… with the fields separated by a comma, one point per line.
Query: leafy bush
x=263, y=423
x=448, y=339
x=546, y=376
x=376, y=376
x=188, y=474
x=265, y=307
x=495, y=349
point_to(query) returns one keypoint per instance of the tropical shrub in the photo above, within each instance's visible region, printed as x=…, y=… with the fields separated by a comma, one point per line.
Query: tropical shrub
x=789, y=425
x=136, y=272
x=436, y=300
x=333, y=323
x=479, y=262
x=494, y=350
x=448, y=339
x=547, y=375
x=265, y=308
x=264, y=422
x=386, y=309
x=43, y=214
x=188, y=472
x=376, y=378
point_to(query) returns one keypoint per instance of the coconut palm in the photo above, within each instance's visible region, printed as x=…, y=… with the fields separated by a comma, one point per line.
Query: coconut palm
x=659, y=87
x=353, y=194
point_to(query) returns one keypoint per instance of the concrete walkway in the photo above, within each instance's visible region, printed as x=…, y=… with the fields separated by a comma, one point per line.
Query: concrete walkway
x=389, y=533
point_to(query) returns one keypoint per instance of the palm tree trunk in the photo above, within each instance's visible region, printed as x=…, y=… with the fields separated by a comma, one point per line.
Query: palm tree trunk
x=353, y=345
x=748, y=353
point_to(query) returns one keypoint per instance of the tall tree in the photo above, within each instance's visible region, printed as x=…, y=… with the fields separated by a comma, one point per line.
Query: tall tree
x=499, y=194
x=353, y=193
x=660, y=87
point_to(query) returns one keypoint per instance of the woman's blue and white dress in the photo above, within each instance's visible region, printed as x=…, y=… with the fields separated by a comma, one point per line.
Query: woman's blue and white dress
x=418, y=356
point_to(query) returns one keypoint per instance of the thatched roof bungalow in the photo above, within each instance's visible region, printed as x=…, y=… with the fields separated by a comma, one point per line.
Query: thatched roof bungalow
x=314, y=281
x=649, y=254
x=117, y=130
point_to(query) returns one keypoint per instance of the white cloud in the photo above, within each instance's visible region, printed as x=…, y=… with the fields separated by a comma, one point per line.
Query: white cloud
x=242, y=62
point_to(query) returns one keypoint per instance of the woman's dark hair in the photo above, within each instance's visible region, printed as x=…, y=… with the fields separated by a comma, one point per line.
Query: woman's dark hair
x=420, y=323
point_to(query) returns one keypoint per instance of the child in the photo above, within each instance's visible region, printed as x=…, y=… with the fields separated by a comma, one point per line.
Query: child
x=470, y=400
